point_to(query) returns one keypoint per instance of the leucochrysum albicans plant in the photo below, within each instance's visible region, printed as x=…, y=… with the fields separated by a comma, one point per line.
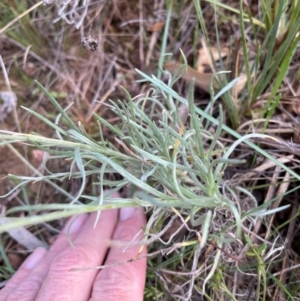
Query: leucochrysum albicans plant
x=171, y=165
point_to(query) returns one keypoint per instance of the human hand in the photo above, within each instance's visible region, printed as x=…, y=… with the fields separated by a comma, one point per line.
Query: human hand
x=47, y=275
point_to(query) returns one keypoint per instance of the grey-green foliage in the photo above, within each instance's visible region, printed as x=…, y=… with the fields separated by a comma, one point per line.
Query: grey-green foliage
x=170, y=163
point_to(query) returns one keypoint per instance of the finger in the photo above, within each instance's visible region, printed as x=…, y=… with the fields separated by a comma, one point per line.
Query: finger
x=89, y=249
x=30, y=263
x=123, y=281
x=27, y=281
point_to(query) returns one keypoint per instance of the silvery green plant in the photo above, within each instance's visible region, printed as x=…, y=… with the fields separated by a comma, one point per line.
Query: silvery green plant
x=168, y=164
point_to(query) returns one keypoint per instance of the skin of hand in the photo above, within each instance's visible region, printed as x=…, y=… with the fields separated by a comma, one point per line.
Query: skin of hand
x=47, y=275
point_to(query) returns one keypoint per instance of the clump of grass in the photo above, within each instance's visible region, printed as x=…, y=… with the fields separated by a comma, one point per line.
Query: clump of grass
x=27, y=33
x=262, y=52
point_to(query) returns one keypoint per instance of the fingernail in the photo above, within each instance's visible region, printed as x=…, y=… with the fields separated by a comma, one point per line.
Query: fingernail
x=74, y=224
x=32, y=261
x=126, y=213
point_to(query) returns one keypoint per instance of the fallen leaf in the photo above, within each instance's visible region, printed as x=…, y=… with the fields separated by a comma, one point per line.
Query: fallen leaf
x=206, y=56
x=202, y=80
x=156, y=26
x=238, y=87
